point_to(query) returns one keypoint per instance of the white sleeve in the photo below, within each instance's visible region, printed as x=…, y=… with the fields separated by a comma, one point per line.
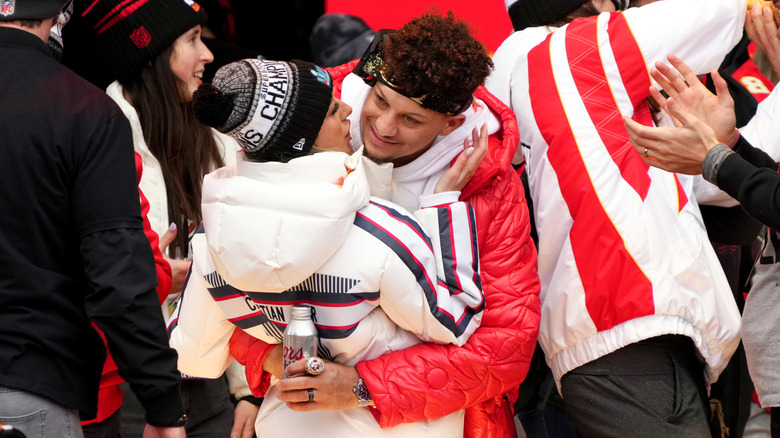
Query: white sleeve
x=237, y=382
x=709, y=194
x=437, y=199
x=761, y=131
x=700, y=32
x=199, y=330
x=431, y=287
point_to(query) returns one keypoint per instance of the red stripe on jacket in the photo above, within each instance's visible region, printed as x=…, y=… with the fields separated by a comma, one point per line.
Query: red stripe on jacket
x=603, y=261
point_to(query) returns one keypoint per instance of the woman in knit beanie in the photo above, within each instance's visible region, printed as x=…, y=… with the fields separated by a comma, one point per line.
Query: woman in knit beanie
x=153, y=49
x=274, y=109
x=292, y=223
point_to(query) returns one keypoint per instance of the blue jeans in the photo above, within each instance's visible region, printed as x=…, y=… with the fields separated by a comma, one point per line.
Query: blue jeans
x=36, y=416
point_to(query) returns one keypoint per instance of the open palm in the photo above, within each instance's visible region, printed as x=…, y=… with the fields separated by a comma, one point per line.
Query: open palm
x=691, y=96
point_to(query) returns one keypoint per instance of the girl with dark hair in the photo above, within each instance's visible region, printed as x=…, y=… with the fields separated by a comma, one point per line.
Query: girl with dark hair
x=184, y=149
x=155, y=52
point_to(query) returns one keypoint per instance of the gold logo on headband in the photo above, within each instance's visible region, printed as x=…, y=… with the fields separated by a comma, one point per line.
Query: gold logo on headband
x=380, y=74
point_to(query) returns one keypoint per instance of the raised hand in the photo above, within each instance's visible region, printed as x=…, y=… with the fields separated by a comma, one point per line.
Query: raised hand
x=457, y=176
x=678, y=149
x=692, y=97
x=762, y=29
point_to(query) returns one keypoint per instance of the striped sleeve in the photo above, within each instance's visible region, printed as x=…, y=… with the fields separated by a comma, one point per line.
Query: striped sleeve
x=433, y=267
x=199, y=329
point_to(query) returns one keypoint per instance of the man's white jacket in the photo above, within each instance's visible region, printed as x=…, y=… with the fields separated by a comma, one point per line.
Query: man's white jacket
x=623, y=253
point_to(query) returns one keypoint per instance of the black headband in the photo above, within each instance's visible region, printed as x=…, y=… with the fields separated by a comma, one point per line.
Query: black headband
x=620, y=5
x=371, y=69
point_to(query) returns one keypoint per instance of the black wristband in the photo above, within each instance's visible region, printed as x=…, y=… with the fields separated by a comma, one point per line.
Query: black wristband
x=252, y=399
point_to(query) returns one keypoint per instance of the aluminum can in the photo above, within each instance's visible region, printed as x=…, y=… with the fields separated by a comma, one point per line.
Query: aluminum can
x=8, y=431
x=300, y=336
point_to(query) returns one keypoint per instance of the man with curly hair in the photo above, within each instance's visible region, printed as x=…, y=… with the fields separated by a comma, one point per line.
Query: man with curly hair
x=418, y=99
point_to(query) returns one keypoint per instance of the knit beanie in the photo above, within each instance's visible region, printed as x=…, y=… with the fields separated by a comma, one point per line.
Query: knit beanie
x=531, y=13
x=131, y=33
x=12, y=10
x=274, y=109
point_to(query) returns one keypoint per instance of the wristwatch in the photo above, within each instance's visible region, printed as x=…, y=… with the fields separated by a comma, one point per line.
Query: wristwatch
x=361, y=391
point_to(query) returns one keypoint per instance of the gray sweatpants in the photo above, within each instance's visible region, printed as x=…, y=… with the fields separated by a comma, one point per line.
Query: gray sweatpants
x=653, y=388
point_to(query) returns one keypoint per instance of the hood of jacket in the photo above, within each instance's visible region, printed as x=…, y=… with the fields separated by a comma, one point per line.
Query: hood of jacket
x=269, y=226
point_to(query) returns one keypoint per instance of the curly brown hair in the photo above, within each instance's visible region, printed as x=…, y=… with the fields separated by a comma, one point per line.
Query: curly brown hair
x=436, y=55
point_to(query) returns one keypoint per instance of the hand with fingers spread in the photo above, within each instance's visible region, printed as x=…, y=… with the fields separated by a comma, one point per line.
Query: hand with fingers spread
x=331, y=390
x=701, y=120
x=457, y=176
x=762, y=28
x=679, y=149
x=684, y=87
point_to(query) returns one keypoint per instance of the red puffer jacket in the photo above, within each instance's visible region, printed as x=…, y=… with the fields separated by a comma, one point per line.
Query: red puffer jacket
x=428, y=380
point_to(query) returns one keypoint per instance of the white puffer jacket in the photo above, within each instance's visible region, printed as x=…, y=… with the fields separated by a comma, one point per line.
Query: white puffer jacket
x=308, y=232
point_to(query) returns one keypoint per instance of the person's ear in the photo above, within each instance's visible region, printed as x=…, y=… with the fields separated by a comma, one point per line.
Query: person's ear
x=603, y=5
x=453, y=123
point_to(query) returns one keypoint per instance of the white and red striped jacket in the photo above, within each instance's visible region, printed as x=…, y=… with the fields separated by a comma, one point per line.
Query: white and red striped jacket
x=306, y=232
x=623, y=254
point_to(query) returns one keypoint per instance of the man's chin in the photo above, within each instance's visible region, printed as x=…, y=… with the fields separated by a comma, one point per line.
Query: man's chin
x=374, y=158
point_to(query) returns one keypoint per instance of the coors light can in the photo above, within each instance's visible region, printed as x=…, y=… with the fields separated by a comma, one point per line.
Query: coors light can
x=300, y=337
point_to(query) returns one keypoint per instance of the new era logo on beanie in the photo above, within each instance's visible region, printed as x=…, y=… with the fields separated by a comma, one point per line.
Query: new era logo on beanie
x=130, y=33
x=274, y=109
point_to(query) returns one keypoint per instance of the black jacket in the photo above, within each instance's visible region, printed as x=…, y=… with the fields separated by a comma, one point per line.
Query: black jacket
x=72, y=246
x=750, y=176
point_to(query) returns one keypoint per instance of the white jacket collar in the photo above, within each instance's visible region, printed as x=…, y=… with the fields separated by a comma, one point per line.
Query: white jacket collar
x=272, y=225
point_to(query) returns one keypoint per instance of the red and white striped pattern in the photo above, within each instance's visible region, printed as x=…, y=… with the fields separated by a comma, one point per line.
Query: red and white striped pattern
x=623, y=254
